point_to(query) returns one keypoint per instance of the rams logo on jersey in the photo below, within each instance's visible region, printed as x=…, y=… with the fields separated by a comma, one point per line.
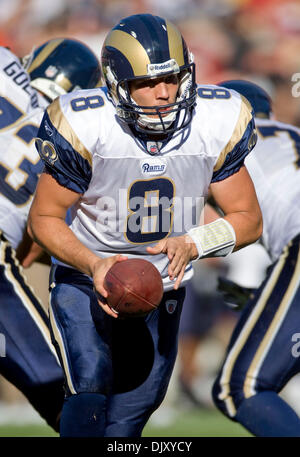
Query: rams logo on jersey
x=46, y=151
x=153, y=167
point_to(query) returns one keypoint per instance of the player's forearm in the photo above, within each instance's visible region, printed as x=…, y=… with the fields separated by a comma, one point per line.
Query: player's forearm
x=58, y=240
x=236, y=198
x=247, y=226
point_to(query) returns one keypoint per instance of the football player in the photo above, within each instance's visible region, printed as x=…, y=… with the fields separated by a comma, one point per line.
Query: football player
x=29, y=360
x=260, y=358
x=134, y=160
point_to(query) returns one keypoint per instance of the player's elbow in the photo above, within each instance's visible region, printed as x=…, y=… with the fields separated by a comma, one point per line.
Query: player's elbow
x=259, y=223
x=256, y=225
x=259, y=228
x=30, y=226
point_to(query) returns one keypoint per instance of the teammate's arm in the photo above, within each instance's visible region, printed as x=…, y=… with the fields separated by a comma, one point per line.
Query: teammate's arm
x=47, y=226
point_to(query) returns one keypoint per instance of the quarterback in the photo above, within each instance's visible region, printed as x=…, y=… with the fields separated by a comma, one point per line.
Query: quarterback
x=134, y=161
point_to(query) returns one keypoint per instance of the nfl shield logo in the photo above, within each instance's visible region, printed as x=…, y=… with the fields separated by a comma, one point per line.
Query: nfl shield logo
x=51, y=71
x=171, y=306
x=153, y=147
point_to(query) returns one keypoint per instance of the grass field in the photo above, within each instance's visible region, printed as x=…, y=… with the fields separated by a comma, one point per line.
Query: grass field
x=197, y=423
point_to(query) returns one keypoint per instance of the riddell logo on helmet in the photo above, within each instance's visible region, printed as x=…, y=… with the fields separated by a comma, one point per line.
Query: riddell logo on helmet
x=164, y=67
x=51, y=71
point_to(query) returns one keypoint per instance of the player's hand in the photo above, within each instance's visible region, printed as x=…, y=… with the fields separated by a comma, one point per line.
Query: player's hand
x=99, y=271
x=34, y=254
x=234, y=295
x=180, y=251
x=29, y=252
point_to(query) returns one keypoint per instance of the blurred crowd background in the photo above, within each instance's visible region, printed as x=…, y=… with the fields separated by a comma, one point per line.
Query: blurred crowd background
x=257, y=40
x=229, y=38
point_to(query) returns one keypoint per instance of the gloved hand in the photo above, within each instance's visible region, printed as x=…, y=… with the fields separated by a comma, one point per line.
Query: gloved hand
x=234, y=295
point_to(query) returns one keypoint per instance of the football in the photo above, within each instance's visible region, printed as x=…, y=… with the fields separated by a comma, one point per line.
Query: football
x=134, y=287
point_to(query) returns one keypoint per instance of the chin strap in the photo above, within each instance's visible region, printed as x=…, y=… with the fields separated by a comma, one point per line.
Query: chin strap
x=155, y=123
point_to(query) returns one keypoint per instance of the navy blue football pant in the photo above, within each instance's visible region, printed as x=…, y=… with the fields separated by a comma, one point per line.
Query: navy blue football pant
x=27, y=357
x=129, y=361
x=262, y=355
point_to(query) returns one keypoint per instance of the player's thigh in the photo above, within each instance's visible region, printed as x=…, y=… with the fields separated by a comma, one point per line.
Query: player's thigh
x=144, y=353
x=84, y=351
x=28, y=358
x=260, y=354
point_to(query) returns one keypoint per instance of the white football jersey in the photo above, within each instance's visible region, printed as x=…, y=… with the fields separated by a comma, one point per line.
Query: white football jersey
x=274, y=168
x=134, y=193
x=20, y=164
x=15, y=87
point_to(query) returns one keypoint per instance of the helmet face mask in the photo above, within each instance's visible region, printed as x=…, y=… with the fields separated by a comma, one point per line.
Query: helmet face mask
x=163, y=53
x=62, y=65
x=152, y=117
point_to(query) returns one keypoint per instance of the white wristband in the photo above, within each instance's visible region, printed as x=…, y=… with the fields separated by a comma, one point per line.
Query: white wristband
x=216, y=239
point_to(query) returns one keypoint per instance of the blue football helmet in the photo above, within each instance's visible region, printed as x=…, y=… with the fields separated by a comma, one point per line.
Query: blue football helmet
x=258, y=97
x=62, y=65
x=143, y=46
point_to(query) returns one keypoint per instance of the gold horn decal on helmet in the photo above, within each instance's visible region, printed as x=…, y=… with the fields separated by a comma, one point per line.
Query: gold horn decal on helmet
x=132, y=50
x=175, y=43
x=45, y=52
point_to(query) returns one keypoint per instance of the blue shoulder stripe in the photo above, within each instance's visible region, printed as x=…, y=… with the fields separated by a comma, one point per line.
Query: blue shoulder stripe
x=235, y=158
x=70, y=168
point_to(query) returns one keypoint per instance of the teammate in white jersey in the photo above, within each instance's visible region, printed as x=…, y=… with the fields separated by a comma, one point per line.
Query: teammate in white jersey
x=262, y=355
x=135, y=160
x=29, y=360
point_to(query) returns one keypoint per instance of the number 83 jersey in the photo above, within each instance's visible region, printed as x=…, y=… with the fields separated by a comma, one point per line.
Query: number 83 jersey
x=20, y=164
x=130, y=198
